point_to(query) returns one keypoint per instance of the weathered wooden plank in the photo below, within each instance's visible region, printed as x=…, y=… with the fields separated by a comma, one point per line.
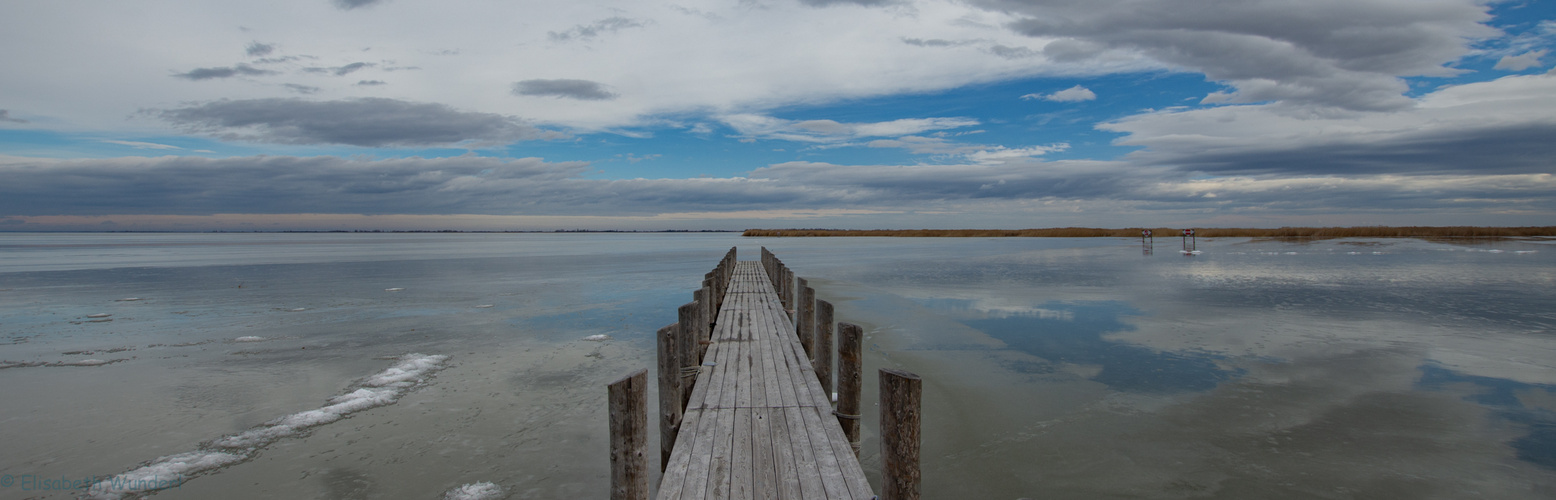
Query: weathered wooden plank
x=670, y=485
x=804, y=454
x=741, y=484
x=847, y=458
x=826, y=457
x=764, y=467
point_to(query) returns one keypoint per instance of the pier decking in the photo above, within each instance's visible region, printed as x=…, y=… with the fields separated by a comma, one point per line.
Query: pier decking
x=759, y=424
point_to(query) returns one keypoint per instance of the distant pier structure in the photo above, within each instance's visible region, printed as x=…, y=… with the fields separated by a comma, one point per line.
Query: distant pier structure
x=744, y=399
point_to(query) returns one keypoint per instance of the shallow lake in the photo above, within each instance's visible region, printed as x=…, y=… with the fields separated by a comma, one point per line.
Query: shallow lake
x=1053, y=368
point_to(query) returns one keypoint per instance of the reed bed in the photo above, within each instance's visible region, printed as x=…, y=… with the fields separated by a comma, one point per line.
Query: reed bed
x=1316, y=233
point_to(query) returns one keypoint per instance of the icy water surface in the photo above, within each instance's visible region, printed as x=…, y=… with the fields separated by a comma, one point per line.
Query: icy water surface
x=1053, y=368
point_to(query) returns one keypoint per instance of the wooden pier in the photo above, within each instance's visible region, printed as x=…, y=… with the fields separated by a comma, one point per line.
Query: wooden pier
x=745, y=403
x=759, y=424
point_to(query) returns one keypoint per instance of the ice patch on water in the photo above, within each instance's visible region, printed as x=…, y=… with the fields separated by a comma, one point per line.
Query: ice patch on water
x=128, y=299
x=483, y=306
x=250, y=338
x=395, y=289
x=474, y=491
x=164, y=472
x=99, y=315
x=87, y=362
x=1521, y=252
x=597, y=338
x=296, y=309
x=380, y=389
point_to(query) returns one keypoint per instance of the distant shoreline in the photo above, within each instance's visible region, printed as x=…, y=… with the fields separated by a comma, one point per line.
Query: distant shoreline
x=1317, y=233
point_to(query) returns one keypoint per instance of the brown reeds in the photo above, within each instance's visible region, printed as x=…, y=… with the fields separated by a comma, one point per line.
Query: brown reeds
x=1315, y=233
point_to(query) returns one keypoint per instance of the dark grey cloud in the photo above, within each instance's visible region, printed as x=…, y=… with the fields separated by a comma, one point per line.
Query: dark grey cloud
x=257, y=49
x=342, y=70
x=1341, y=53
x=301, y=89
x=352, y=4
x=866, y=3
x=368, y=122
x=1518, y=149
x=224, y=72
x=5, y=117
x=595, y=29
x=571, y=89
x=933, y=42
x=273, y=184
x=371, y=83
x=476, y=185
x=1009, y=52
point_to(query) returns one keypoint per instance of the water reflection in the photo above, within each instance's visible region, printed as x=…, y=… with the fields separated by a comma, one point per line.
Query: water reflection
x=1073, y=333
x=1531, y=405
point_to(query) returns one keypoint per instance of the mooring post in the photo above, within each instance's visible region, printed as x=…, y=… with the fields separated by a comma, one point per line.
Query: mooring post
x=686, y=337
x=784, y=282
x=710, y=314
x=805, y=318
x=789, y=295
x=823, y=354
x=670, y=410
x=900, y=411
x=850, y=380
x=629, y=436
x=700, y=322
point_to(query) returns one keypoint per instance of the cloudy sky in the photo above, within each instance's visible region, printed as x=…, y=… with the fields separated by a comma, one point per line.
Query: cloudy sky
x=479, y=114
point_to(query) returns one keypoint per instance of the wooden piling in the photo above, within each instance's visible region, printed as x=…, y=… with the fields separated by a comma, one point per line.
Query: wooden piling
x=901, y=394
x=670, y=395
x=822, y=355
x=788, y=293
x=850, y=380
x=704, y=299
x=686, y=339
x=629, y=436
x=805, y=318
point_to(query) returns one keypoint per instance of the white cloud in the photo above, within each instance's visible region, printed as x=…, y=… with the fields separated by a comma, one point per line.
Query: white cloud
x=1522, y=61
x=1001, y=154
x=830, y=131
x=731, y=59
x=142, y=145
x=1327, y=53
x=1500, y=126
x=1072, y=94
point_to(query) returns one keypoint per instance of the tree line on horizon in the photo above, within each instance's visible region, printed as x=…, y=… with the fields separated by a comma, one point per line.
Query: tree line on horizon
x=1164, y=232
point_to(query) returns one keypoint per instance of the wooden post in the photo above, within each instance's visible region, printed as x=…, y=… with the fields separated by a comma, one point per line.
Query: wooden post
x=629, y=436
x=805, y=319
x=687, y=341
x=670, y=409
x=709, y=313
x=822, y=355
x=785, y=287
x=850, y=383
x=788, y=293
x=900, y=410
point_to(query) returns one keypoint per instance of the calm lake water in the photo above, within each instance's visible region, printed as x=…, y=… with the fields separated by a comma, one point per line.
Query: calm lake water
x=1053, y=368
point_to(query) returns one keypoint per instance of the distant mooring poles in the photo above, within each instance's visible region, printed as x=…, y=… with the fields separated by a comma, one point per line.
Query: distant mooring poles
x=1190, y=243
x=1146, y=241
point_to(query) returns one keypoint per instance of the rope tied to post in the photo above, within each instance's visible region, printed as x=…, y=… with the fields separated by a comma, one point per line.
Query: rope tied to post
x=844, y=415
